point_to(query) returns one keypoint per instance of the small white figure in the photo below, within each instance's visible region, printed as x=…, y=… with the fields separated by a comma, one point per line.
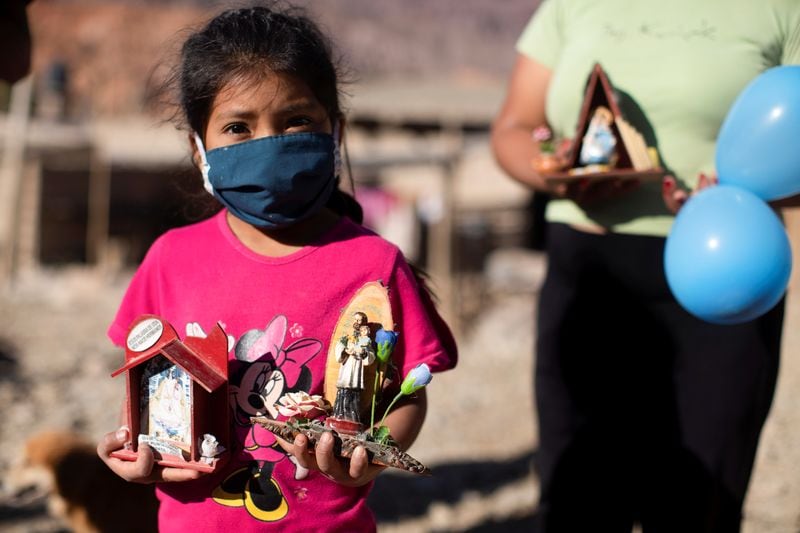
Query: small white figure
x=599, y=141
x=209, y=448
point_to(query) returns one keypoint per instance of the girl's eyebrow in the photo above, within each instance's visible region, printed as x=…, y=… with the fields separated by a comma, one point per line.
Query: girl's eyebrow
x=303, y=105
x=241, y=113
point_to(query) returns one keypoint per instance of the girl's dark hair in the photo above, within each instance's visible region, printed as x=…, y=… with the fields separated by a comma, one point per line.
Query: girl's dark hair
x=247, y=44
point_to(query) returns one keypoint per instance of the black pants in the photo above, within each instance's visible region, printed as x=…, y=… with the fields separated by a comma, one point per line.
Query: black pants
x=645, y=412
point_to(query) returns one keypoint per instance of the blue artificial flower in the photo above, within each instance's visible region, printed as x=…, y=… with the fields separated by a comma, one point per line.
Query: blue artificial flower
x=385, y=341
x=418, y=377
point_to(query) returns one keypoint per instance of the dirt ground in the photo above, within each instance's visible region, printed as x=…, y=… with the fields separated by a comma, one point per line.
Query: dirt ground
x=55, y=363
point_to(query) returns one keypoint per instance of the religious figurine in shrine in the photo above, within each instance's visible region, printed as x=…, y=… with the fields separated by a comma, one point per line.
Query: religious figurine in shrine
x=354, y=351
x=599, y=141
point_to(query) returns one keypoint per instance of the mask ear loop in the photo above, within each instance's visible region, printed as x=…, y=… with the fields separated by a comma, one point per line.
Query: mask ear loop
x=204, y=166
x=342, y=157
x=337, y=153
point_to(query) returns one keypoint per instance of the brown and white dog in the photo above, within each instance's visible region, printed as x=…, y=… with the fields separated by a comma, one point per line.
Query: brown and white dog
x=82, y=491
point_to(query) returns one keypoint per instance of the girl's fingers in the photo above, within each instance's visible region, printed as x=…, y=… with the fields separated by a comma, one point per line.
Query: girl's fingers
x=327, y=462
x=355, y=471
x=300, y=452
x=321, y=458
x=359, y=463
x=139, y=471
x=112, y=441
x=298, y=449
x=144, y=468
x=136, y=471
x=352, y=472
x=177, y=474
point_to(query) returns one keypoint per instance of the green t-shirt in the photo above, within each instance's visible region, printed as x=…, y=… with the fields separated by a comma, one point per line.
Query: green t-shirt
x=678, y=66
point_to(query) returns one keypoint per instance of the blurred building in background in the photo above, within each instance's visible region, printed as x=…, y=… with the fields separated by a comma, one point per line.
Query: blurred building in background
x=102, y=171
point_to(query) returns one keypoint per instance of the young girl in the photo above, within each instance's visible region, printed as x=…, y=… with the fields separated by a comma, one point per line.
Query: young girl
x=276, y=267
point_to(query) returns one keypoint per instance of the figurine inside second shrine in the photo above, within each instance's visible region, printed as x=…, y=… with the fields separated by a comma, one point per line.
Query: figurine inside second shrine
x=166, y=400
x=599, y=141
x=353, y=351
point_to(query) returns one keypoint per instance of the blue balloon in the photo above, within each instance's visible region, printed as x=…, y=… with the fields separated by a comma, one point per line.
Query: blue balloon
x=727, y=258
x=757, y=146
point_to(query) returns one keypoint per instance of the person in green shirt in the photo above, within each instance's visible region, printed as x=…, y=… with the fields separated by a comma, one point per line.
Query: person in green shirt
x=646, y=413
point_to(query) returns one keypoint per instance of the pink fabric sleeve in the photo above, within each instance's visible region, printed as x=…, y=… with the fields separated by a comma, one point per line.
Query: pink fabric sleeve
x=424, y=335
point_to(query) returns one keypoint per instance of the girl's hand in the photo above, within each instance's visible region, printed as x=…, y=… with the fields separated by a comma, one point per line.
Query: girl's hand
x=354, y=472
x=675, y=197
x=144, y=469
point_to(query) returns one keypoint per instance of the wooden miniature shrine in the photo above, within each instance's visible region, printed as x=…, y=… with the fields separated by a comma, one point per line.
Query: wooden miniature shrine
x=632, y=158
x=368, y=311
x=371, y=302
x=177, y=395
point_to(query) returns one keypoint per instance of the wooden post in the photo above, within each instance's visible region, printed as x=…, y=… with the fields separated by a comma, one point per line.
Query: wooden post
x=29, y=219
x=99, y=208
x=11, y=170
x=442, y=243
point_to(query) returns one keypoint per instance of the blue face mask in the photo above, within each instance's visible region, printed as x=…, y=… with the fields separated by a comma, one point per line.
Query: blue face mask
x=272, y=182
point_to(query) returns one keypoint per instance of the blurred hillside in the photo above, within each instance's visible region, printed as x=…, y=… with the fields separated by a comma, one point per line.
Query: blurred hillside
x=104, y=52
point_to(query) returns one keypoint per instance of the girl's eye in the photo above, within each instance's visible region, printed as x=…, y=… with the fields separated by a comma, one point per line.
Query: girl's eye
x=236, y=129
x=299, y=122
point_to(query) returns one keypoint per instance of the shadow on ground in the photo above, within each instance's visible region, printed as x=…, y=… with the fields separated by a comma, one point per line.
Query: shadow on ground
x=395, y=497
x=520, y=524
x=9, y=365
x=28, y=517
x=399, y=496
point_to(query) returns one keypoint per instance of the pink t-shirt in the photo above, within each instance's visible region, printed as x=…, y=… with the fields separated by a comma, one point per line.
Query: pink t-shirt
x=279, y=314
